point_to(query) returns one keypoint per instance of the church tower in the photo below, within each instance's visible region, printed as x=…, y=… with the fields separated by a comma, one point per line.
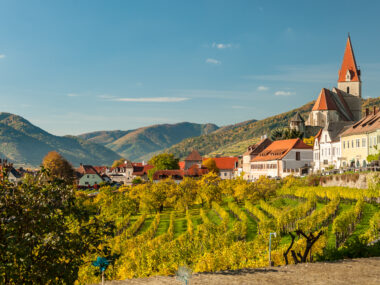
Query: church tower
x=349, y=74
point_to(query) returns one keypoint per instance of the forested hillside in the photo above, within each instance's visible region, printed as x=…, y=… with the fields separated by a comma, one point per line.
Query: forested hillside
x=142, y=143
x=25, y=144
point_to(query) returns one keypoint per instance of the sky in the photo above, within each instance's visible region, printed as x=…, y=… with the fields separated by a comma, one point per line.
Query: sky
x=78, y=66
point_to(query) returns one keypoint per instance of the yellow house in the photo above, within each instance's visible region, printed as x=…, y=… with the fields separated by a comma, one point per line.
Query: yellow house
x=356, y=141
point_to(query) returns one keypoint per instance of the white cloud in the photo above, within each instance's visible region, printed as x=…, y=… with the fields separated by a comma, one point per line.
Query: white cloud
x=221, y=45
x=262, y=88
x=152, y=99
x=213, y=61
x=2, y=55
x=72, y=95
x=284, y=93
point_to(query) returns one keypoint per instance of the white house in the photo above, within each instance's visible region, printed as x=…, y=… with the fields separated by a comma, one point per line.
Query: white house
x=88, y=176
x=282, y=158
x=327, y=151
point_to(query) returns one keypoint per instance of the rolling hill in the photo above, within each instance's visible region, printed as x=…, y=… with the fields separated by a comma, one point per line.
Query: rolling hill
x=25, y=145
x=142, y=143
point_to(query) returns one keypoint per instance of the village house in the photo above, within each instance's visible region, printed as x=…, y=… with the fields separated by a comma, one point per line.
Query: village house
x=252, y=152
x=178, y=174
x=282, y=158
x=88, y=176
x=355, y=140
x=327, y=147
x=226, y=166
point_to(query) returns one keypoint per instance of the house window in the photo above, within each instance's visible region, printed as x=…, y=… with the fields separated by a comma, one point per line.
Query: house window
x=298, y=155
x=333, y=151
x=325, y=138
x=348, y=90
x=357, y=142
x=88, y=176
x=364, y=142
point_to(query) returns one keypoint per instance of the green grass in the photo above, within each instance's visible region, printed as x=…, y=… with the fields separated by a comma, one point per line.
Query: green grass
x=164, y=223
x=214, y=217
x=282, y=203
x=145, y=225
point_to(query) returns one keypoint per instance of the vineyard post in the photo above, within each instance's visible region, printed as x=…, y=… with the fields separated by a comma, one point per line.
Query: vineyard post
x=270, y=243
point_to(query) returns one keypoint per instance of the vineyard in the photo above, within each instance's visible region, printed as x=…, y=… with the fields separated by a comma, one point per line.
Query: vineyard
x=230, y=232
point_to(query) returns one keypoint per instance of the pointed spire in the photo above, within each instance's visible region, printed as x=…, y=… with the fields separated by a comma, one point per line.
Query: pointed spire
x=349, y=70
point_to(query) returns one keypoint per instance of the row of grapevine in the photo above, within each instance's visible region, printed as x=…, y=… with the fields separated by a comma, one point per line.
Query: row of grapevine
x=264, y=224
x=151, y=231
x=190, y=226
x=345, y=222
x=373, y=232
x=328, y=192
x=171, y=225
x=275, y=212
x=287, y=220
x=122, y=224
x=319, y=218
x=130, y=232
x=204, y=217
x=223, y=214
x=242, y=216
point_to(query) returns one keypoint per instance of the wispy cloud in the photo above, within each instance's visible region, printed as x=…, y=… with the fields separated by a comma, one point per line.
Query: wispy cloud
x=262, y=88
x=73, y=95
x=221, y=45
x=207, y=93
x=152, y=99
x=213, y=61
x=284, y=93
x=2, y=55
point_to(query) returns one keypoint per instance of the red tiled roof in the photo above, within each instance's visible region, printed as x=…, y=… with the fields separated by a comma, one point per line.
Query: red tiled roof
x=278, y=149
x=194, y=156
x=225, y=162
x=325, y=101
x=141, y=170
x=349, y=64
x=257, y=148
x=87, y=169
x=100, y=169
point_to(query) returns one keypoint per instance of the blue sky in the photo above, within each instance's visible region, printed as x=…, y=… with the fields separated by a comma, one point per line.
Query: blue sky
x=79, y=66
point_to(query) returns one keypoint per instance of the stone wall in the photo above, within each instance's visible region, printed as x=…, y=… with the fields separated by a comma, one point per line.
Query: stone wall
x=352, y=180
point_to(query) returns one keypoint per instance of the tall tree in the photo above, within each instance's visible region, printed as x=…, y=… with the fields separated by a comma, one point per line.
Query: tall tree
x=163, y=161
x=58, y=167
x=210, y=164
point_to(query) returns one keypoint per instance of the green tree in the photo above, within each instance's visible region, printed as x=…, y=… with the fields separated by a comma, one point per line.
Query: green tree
x=285, y=134
x=163, y=161
x=208, y=189
x=44, y=233
x=118, y=162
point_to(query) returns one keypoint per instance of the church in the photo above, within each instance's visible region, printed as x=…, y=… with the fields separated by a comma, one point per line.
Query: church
x=343, y=104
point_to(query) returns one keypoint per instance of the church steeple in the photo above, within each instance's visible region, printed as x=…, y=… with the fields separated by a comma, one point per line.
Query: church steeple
x=349, y=74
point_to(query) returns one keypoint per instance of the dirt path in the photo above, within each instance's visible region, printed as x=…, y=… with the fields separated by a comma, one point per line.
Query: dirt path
x=364, y=271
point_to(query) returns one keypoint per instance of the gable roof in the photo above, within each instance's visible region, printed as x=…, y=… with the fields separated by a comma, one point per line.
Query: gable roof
x=87, y=169
x=140, y=170
x=278, y=149
x=333, y=101
x=193, y=171
x=194, y=156
x=224, y=163
x=255, y=149
x=349, y=64
x=367, y=124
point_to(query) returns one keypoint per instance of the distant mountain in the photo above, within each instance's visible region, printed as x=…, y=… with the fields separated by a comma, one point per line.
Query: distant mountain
x=25, y=144
x=144, y=142
x=234, y=139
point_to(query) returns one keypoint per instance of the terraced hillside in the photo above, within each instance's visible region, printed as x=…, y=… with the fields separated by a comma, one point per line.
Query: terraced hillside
x=233, y=232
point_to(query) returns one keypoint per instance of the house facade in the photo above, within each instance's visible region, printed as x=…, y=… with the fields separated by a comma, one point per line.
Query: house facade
x=251, y=153
x=282, y=158
x=357, y=139
x=88, y=176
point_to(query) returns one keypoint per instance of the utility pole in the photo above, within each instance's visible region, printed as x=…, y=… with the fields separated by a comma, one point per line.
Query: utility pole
x=270, y=244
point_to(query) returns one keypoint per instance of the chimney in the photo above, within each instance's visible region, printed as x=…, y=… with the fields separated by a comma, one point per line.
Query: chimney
x=374, y=110
x=366, y=112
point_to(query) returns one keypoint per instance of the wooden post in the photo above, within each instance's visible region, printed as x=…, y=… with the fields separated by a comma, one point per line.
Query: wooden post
x=102, y=277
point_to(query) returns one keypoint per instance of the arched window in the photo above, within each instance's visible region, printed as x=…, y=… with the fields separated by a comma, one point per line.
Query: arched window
x=348, y=89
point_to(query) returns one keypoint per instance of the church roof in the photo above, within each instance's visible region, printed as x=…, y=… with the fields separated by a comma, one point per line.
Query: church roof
x=329, y=100
x=349, y=64
x=325, y=101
